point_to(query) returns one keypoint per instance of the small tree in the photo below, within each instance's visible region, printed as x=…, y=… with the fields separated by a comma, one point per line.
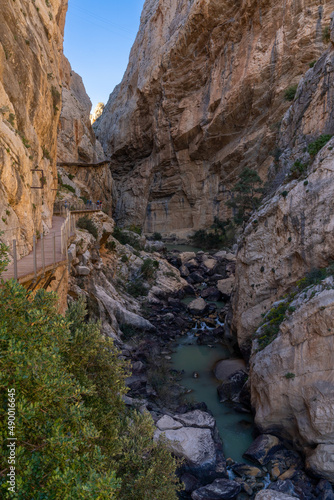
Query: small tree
x=247, y=197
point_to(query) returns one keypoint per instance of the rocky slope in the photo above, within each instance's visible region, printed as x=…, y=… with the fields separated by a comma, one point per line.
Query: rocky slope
x=201, y=99
x=31, y=35
x=292, y=377
x=76, y=140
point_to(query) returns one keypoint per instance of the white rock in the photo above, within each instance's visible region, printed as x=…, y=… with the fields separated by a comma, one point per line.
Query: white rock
x=83, y=270
x=167, y=422
x=196, y=418
x=226, y=286
x=273, y=495
x=194, y=444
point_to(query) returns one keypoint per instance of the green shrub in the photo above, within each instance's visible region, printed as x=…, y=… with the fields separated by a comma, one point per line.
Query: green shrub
x=285, y=194
x=326, y=34
x=75, y=437
x=157, y=236
x=86, y=223
x=290, y=93
x=297, y=170
x=127, y=239
x=69, y=188
x=247, y=195
x=221, y=234
x=124, y=258
x=136, y=288
x=312, y=64
x=271, y=325
x=315, y=146
x=134, y=229
x=289, y=375
x=149, y=268
x=111, y=246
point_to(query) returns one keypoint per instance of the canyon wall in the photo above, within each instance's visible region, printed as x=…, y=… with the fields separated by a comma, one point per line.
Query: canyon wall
x=80, y=157
x=291, y=235
x=31, y=35
x=201, y=99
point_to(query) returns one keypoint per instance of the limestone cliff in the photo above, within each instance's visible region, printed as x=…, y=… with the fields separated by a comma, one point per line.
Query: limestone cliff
x=31, y=40
x=293, y=230
x=292, y=376
x=200, y=100
x=76, y=140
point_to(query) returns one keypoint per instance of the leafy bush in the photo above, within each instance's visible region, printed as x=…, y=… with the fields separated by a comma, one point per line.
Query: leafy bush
x=247, y=198
x=75, y=437
x=297, y=170
x=124, y=258
x=136, y=288
x=69, y=188
x=111, y=246
x=290, y=93
x=315, y=146
x=126, y=238
x=326, y=35
x=135, y=229
x=221, y=234
x=271, y=325
x=157, y=236
x=289, y=375
x=312, y=63
x=86, y=223
x=149, y=268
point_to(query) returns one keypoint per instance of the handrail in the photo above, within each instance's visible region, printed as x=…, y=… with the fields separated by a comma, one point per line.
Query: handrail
x=63, y=207
x=47, y=254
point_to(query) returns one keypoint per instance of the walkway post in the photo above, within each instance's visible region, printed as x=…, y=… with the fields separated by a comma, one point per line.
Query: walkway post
x=34, y=256
x=15, y=260
x=42, y=251
x=54, y=249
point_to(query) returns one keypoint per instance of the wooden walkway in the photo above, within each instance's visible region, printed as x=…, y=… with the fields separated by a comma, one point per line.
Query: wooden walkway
x=52, y=259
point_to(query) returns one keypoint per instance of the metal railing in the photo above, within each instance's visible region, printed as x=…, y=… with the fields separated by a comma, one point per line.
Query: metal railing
x=63, y=207
x=48, y=250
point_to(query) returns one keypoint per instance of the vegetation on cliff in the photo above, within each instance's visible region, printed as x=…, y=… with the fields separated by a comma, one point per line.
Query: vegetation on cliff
x=75, y=437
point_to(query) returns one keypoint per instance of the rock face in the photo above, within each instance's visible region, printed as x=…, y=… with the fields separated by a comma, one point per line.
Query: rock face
x=31, y=35
x=292, y=379
x=189, y=436
x=97, y=112
x=294, y=229
x=200, y=100
x=81, y=160
x=76, y=140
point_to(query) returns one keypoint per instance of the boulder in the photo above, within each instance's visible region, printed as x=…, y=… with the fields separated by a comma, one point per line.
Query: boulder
x=196, y=418
x=273, y=495
x=82, y=270
x=186, y=256
x=244, y=470
x=190, y=482
x=227, y=367
x=195, y=278
x=220, y=489
x=263, y=448
x=210, y=264
x=194, y=444
x=230, y=389
x=226, y=286
x=197, y=306
x=167, y=422
x=211, y=293
x=321, y=461
x=287, y=487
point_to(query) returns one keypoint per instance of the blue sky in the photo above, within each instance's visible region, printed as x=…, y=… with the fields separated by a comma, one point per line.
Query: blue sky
x=98, y=38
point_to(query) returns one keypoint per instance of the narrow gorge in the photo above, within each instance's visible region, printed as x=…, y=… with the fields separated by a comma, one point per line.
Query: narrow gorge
x=167, y=260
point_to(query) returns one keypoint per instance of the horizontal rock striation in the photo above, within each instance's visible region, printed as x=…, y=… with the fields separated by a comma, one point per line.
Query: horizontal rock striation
x=31, y=35
x=201, y=99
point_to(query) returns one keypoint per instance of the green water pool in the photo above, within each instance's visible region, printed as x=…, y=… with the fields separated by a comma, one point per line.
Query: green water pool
x=235, y=428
